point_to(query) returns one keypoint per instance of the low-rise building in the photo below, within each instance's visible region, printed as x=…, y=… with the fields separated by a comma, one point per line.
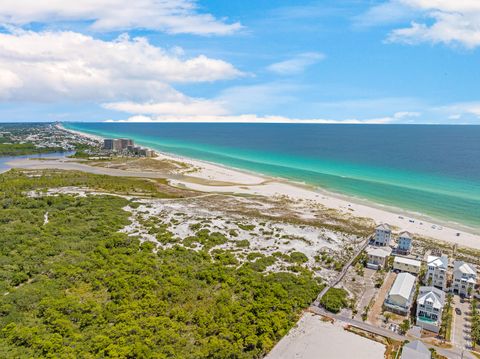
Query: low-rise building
x=415, y=350
x=464, y=278
x=383, y=235
x=430, y=304
x=436, y=274
x=404, y=264
x=404, y=242
x=400, y=296
x=377, y=257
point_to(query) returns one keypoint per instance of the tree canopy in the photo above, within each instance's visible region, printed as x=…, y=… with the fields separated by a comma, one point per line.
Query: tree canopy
x=74, y=287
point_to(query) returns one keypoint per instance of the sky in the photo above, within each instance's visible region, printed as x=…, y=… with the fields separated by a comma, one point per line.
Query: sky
x=286, y=61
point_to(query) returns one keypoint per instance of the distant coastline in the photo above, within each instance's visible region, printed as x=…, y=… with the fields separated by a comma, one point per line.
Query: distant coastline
x=422, y=224
x=446, y=199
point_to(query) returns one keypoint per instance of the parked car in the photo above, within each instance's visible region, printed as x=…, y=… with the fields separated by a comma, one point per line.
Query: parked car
x=458, y=311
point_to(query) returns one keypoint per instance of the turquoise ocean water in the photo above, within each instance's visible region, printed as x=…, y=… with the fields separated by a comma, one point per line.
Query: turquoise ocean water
x=433, y=170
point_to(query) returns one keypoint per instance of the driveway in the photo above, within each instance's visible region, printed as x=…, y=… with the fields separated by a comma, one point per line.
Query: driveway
x=368, y=293
x=461, y=324
x=377, y=308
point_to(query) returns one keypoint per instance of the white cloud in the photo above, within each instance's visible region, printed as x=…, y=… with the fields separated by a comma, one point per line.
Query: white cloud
x=450, y=22
x=251, y=118
x=172, y=16
x=459, y=110
x=297, y=64
x=389, y=12
x=406, y=114
x=49, y=66
x=187, y=107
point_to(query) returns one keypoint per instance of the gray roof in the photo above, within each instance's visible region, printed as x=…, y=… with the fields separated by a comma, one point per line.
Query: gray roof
x=405, y=234
x=435, y=261
x=384, y=227
x=431, y=294
x=403, y=286
x=415, y=350
x=465, y=268
x=382, y=252
x=409, y=261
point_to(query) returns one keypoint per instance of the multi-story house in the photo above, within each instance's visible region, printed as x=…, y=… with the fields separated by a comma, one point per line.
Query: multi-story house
x=437, y=271
x=404, y=242
x=409, y=265
x=464, y=278
x=377, y=257
x=400, y=297
x=383, y=235
x=430, y=305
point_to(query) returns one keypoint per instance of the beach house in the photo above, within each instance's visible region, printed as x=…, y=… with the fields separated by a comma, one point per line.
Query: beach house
x=430, y=304
x=415, y=350
x=400, y=296
x=404, y=264
x=377, y=257
x=404, y=242
x=436, y=274
x=383, y=235
x=464, y=278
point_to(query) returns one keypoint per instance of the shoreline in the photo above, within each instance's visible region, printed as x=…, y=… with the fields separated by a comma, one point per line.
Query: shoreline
x=246, y=182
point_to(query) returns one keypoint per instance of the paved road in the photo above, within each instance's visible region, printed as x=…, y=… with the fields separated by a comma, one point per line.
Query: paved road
x=461, y=325
x=454, y=353
x=342, y=273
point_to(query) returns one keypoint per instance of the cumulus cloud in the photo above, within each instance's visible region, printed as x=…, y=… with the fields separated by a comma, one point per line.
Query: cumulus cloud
x=187, y=107
x=447, y=21
x=47, y=66
x=461, y=109
x=171, y=16
x=296, y=64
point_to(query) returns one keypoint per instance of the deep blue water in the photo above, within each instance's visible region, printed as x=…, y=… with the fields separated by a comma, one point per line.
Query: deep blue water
x=434, y=170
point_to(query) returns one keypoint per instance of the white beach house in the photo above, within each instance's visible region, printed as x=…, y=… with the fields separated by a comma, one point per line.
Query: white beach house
x=400, y=296
x=377, y=257
x=437, y=271
x=383, y=235
x=464, y=278
x=404, y=264
x=430, y=304
x=404, y=242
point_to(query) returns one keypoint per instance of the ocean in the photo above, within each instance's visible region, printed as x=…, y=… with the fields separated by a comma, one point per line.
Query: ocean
x=432, y=170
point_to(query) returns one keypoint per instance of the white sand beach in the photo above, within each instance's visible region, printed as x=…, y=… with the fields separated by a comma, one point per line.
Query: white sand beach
x=247, y=183
x=243, y=182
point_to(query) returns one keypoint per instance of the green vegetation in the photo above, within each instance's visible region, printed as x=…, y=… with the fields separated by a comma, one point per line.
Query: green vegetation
x=475, y=332
x=244, y=243
x=20, y=149
x=77, y=288
x=404, y=326
x=335, y=300
x=83, y=151
x=298, y=257
x=447, y=318
x=18, y=181
x=328, y=261
x=294, y=257
x=246, y=227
